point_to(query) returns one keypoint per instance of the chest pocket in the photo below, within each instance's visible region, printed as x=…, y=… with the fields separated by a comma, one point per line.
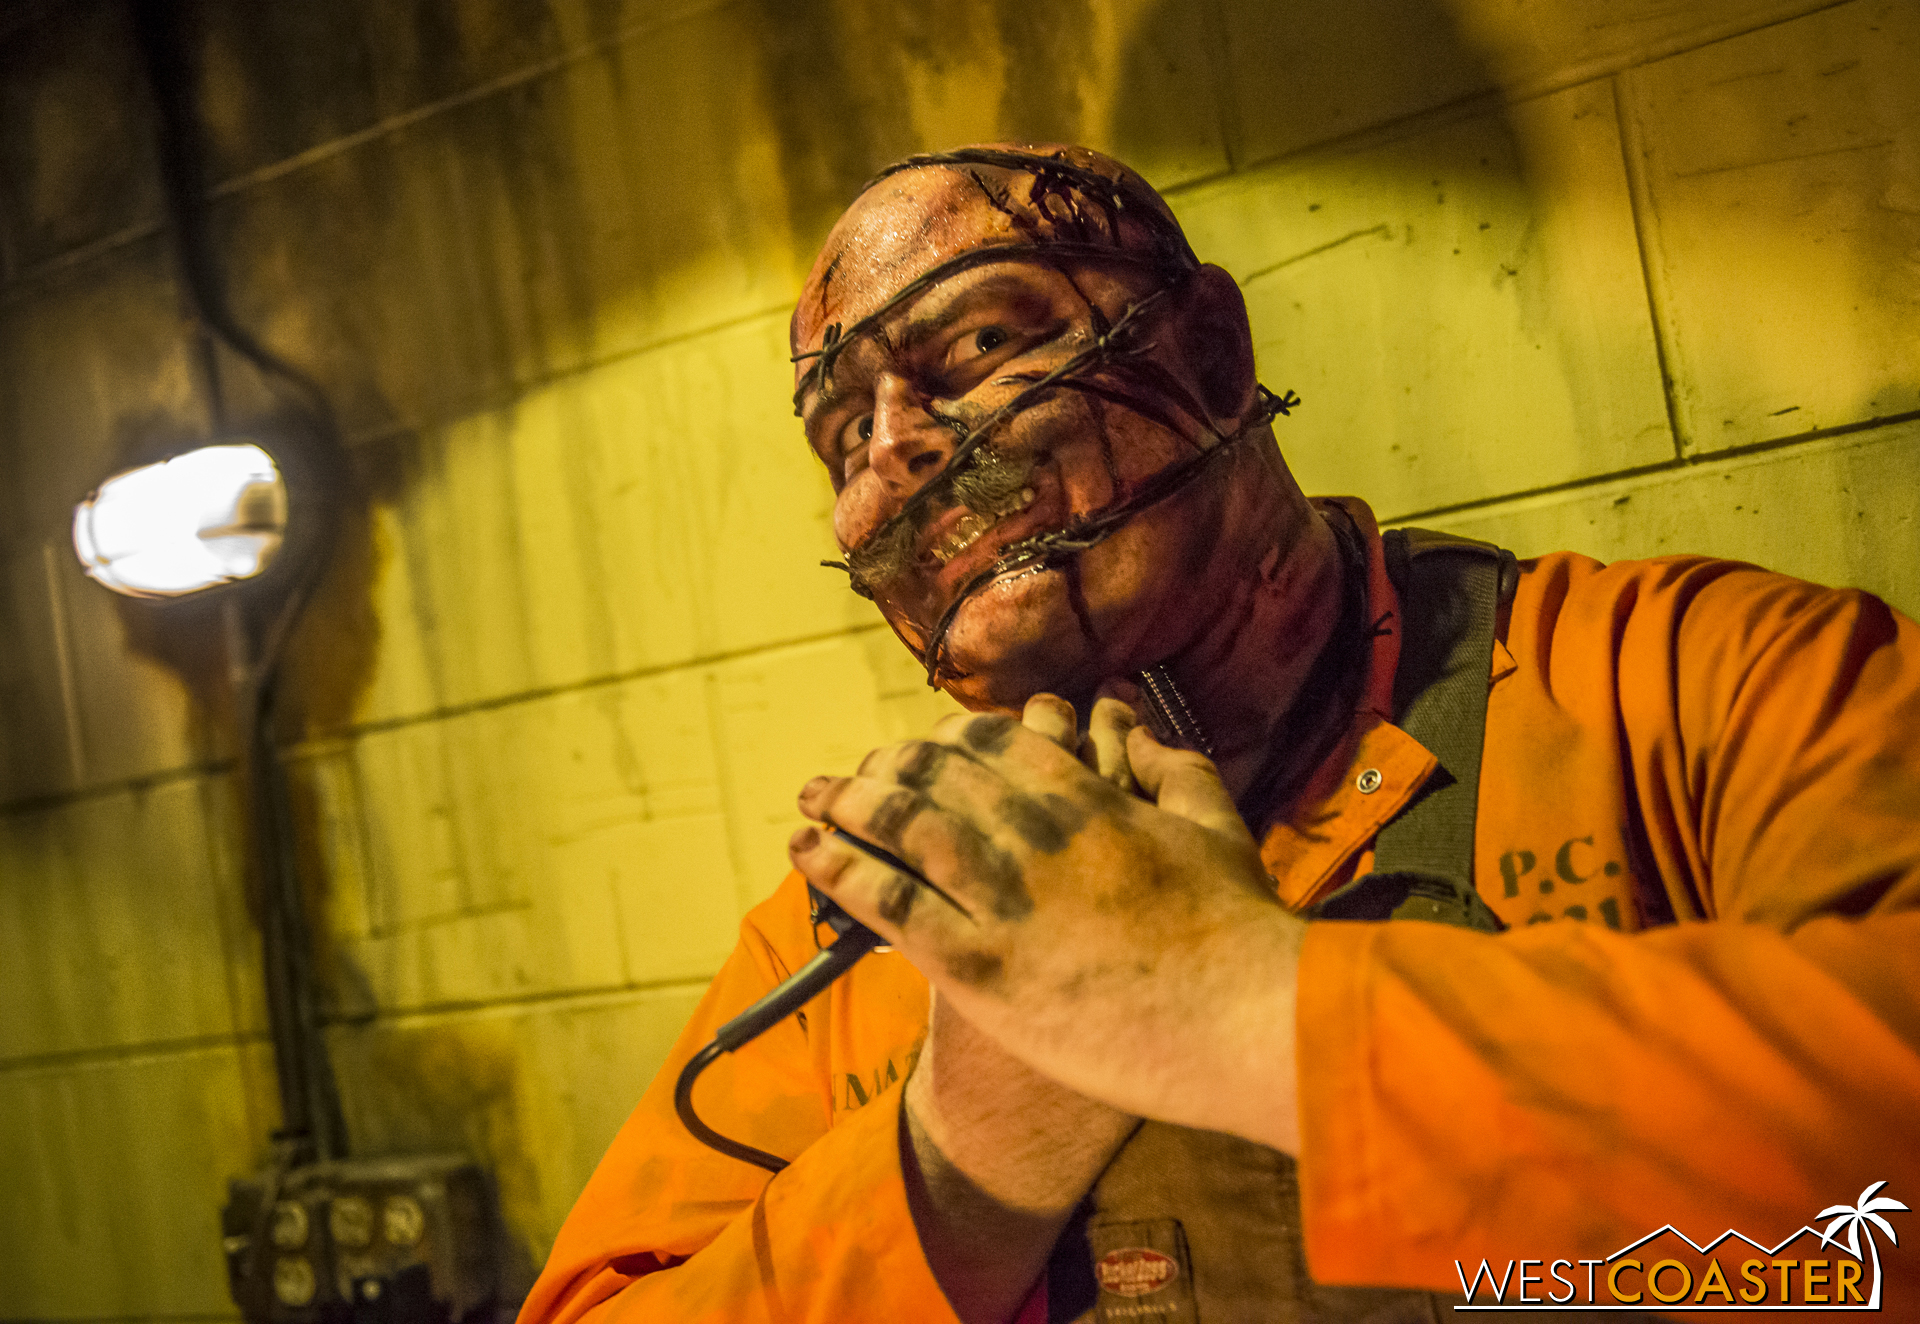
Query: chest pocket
x=1195, y=1227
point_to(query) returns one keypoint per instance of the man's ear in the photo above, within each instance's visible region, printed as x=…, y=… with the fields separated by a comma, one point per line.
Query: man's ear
x=1217, y=343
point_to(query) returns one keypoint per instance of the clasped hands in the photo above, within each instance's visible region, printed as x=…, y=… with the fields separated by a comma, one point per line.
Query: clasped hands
x=1098, y=913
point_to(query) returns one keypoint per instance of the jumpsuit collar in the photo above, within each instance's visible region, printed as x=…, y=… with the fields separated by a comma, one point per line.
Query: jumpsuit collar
x=1314, y=840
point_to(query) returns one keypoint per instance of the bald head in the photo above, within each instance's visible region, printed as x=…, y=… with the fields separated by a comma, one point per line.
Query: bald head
x=926, y=214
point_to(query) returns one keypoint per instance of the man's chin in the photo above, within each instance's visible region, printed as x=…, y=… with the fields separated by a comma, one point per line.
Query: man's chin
x=1016, y=639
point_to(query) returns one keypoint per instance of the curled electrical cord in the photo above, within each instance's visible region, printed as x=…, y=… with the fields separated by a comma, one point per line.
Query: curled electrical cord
x=853, y=941
x=800, y=988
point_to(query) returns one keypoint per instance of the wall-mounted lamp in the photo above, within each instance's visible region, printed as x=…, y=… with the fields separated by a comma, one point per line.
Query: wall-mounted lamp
x=302, y=1244
x=205, y=518
x=251, y=528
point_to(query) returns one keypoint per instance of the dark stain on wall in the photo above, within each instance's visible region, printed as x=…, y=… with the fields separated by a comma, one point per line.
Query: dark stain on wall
x=830, y=88
x=1046, y=46
x=280, y=79
x=447, y=1087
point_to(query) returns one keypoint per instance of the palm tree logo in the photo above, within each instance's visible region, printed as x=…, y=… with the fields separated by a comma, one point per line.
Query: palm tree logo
x=1857, y=1216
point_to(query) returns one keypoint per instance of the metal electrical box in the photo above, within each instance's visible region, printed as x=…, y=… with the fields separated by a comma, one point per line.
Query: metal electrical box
x=407, y=1240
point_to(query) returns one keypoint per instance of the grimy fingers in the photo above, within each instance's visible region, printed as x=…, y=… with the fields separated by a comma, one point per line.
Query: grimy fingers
x=888, y=815
x=1016, y=753
x=957, y=834
x=1184, y=783
x=1105, y=747
x=881, y=897
x=944, y=770
x=911, y=917
x=1054, y=718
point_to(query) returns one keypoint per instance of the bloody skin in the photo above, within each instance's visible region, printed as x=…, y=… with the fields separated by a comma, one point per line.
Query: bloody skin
x=1233, y=582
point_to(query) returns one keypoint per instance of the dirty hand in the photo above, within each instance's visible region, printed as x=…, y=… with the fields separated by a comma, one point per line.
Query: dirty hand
x=1022, y=1139
x=1130, y=950
x=1000, y=1155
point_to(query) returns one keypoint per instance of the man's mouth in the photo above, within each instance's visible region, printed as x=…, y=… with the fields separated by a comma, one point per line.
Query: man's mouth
x=971, y=525
x=986, y=490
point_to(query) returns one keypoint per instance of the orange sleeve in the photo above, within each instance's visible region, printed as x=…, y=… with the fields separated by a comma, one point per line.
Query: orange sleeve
x=1563, y=1089
x=668, y=1229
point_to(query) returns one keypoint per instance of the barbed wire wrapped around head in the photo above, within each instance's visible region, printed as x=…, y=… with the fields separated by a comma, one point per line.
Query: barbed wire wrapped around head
x=1054, y=204
x=1058, y=186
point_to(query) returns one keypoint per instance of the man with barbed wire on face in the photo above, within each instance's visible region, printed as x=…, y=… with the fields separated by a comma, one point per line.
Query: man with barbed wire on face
x=1206, y=995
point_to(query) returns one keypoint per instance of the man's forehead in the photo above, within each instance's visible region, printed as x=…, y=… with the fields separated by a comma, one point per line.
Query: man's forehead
x=904, y=226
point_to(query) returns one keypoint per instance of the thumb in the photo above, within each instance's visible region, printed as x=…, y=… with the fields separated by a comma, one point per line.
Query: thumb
x=1182, y=782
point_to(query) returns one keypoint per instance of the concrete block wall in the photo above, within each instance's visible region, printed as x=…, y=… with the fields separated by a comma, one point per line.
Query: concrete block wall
x=1626, y=277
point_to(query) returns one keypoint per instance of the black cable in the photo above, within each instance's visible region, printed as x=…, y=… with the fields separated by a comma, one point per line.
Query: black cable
x=185, y=183
x=855, y=940
x=311, y=462
x=794, y=993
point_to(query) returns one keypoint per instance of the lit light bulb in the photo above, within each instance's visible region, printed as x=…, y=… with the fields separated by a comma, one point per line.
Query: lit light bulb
x=208, y=517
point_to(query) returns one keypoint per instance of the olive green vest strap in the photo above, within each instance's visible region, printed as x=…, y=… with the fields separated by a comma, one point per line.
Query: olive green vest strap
x=1194, y=1227
x=1440, y=695
x=1451, y=591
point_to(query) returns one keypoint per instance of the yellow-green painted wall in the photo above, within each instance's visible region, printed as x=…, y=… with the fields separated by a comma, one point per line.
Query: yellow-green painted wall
x=1626, y=276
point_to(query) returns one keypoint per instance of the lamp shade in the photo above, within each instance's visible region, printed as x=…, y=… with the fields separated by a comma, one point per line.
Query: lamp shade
x=207, y=517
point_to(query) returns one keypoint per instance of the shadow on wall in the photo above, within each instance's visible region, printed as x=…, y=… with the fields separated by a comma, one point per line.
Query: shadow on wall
x=1179, y=89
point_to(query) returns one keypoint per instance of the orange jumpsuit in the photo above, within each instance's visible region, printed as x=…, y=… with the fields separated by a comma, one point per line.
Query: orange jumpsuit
x=1668, y=742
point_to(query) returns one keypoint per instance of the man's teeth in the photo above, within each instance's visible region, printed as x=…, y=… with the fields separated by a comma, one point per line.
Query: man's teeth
x=968, y=528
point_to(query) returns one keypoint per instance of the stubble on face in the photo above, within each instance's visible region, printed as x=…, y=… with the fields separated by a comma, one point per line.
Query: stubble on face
x=989, y=484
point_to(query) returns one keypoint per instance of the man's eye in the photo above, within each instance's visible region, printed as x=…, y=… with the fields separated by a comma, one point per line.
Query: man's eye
x=854, y=437
x=989, y=338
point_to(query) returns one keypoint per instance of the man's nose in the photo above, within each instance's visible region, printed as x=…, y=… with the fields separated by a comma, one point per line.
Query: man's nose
x=909, y=445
